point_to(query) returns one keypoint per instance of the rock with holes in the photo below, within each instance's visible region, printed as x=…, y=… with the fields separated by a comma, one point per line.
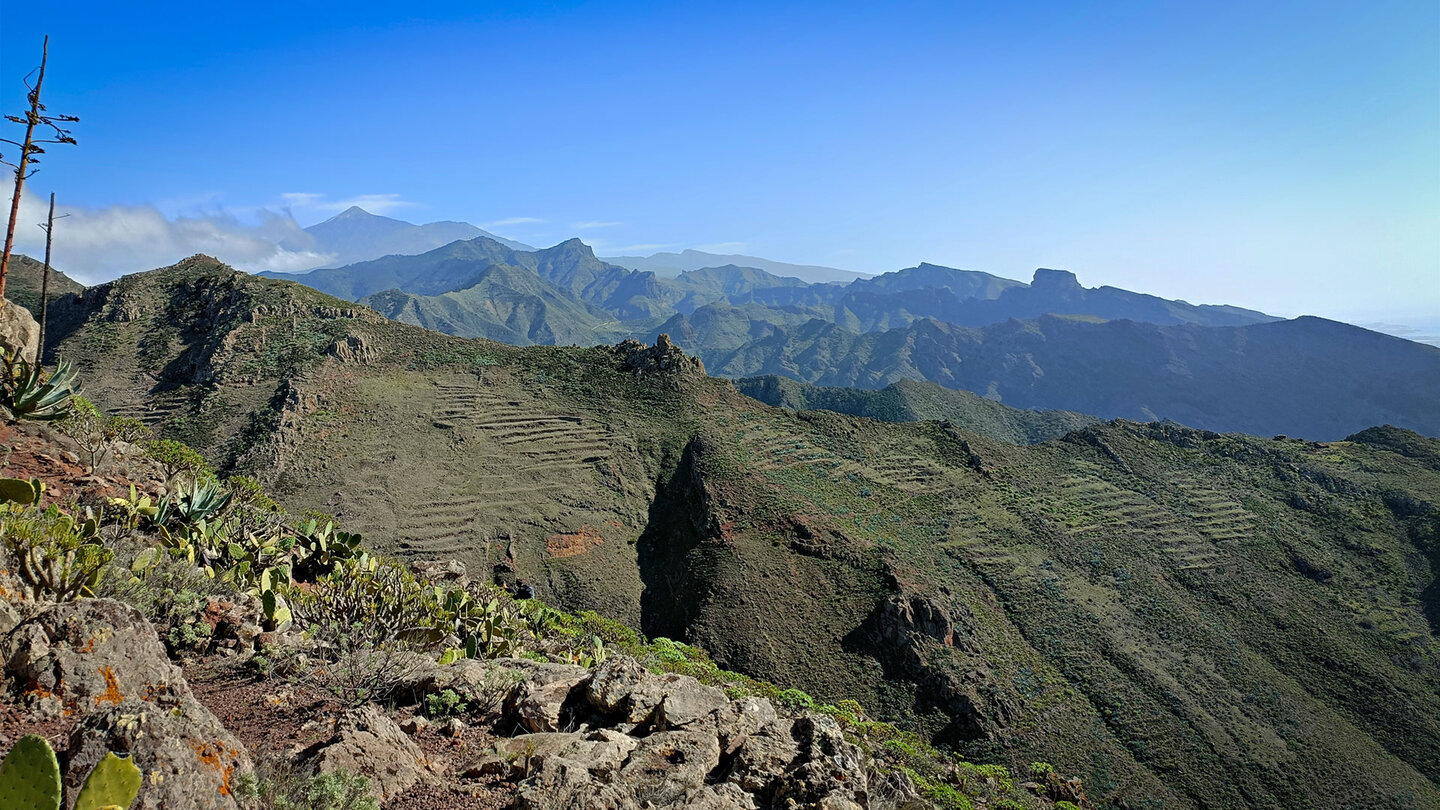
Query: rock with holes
x=490, y=684
x=514, y=757
x=369, y=743
x=186, y=757
x=828, y=772
x=541, y=704
x=87, y=656
x=740, y=719
x=687, y=703
x=610, y=688
x=646, y=740
x=622, y=690
x=602, y=752
x=561, y=782
x=725, y=796
x=761, y=760
x=669, y=764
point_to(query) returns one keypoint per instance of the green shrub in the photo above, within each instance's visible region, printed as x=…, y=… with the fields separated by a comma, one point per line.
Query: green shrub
x=176, y=457
x=666, y=651
x=795, y=700
x=445, y=703
x=998, y=776
x=58, y=557
x=98, y=434
x=1040, y=770
x=279, y=786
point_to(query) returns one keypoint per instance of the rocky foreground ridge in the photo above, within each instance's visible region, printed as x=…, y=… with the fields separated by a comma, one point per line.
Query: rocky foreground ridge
x=224, y=706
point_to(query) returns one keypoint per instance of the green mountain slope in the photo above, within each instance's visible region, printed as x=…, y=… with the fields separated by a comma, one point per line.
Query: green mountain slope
x=912, y=401
x=1308, y=376
x=1186, y=619
x=506, y=303
x=23, y=280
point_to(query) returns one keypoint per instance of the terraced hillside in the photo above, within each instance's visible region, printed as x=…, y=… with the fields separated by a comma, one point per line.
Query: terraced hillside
x=913, y=401
x=1186, y=619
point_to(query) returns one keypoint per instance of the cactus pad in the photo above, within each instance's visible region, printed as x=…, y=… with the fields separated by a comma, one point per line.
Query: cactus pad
x=113, y=783
x=30, y=776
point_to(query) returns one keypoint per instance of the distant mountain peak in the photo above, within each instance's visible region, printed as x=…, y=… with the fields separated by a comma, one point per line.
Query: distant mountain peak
x=356, y=214
x=1046, y=278
x=575, y=244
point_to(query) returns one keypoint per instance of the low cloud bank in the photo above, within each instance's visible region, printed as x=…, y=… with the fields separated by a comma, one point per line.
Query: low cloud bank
x=97, y=244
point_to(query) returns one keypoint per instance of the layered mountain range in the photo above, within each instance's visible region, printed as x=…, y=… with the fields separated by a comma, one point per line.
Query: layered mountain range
x=1048, y=344
x=355, y=235
x=1187, y=619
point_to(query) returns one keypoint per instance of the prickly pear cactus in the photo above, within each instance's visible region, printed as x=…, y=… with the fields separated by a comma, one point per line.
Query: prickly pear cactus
x=18, y=490
x=113, y=784
x=30, y=776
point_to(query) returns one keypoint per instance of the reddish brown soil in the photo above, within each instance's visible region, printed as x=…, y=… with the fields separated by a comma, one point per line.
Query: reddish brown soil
x=573, y=544
x=15, y=723
x=276, y=718
x=30, y=450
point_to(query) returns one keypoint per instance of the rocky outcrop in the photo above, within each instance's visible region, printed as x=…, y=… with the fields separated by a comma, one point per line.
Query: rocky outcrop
x=368, y=742
x=87, y=656
x=662, y=358
x=354, y=349
x=909, y=627
x=100, y=662
x=188, y=759
x=447, y=572
x=19, y=332
x=623, y=738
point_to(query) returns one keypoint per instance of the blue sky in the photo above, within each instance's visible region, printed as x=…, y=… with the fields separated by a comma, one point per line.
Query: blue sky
x=1284, y=156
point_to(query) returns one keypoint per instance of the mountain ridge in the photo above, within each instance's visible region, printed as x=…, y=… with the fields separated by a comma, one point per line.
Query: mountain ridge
x=1170, y=361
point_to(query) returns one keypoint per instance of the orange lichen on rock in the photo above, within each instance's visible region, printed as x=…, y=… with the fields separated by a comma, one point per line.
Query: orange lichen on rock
x=219, y=759
x=573, y=544
x=112, y=688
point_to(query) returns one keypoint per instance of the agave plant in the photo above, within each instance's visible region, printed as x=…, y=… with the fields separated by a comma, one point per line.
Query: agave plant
x=26, y=392
x=203, y=501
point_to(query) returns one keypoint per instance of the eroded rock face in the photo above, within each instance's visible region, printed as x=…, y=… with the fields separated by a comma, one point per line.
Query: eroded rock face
x=187, y=758
x=86, y=656
x=368, y=742
x=354, y=349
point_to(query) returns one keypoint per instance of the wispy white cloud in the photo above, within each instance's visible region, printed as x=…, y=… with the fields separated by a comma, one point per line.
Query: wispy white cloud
x=302, y=199
x=590, y=224
x=374, y=203
x=98, y=244
x=510, y=222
